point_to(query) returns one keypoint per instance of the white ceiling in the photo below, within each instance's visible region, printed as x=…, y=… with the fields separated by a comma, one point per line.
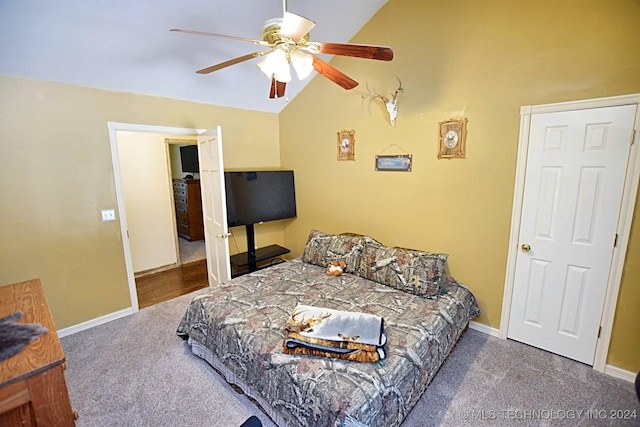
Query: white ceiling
x=125, y=45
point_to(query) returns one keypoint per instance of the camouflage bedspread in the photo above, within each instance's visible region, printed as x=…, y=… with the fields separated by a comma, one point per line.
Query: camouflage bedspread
x=237, y=328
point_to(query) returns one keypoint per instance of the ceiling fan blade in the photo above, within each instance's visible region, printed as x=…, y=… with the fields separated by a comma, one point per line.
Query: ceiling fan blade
x=277, y=88
x=381, y=53
x=333, y=74
x=225, y=36
x=295, y=26
x=230, y=62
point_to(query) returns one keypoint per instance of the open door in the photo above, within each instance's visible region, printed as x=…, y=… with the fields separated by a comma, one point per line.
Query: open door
x=214, y=206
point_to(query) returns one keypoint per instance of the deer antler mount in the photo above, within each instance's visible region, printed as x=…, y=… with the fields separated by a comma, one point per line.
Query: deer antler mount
x=390, y=102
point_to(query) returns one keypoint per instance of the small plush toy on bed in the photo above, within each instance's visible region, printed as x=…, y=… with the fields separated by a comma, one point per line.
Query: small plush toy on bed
x=335, y=268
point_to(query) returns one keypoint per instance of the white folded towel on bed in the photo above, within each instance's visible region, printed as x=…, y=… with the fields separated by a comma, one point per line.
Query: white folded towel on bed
x=335, y=332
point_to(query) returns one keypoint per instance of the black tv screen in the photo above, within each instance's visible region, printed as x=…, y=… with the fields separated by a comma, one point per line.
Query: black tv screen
x=255, y=197
x=189, y=158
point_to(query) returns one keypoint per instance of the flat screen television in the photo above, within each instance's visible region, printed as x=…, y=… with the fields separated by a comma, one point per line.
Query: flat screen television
x=255, y=197
x=189, y=158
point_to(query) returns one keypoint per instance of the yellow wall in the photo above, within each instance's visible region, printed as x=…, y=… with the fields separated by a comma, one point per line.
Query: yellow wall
x=481, y=60
x=56, y=175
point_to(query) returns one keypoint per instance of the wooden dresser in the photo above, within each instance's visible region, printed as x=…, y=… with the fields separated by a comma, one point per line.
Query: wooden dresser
x=188, y=202
x=33, y=391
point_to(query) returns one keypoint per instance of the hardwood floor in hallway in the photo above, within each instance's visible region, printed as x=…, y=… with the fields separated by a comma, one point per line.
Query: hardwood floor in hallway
x=165, y=285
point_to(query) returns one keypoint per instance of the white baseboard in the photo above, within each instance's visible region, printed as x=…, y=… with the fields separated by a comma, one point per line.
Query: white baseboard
x=616, y=372
x=610, y=370
x=94, y=322
x=480, y=327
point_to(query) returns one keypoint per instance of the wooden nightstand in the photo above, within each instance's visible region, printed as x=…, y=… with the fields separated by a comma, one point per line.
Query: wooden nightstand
x=33, y=391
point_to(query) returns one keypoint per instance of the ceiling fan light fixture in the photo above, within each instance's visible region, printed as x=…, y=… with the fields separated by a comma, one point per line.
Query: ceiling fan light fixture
x=288, y=39
x=302, y=63
x=276, y=64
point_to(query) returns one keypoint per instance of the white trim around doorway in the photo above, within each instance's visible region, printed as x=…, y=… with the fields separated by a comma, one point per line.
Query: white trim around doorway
x=624, y=221
x=114, y=127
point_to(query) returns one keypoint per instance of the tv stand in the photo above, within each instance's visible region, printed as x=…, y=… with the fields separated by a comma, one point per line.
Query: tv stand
x=254, y=259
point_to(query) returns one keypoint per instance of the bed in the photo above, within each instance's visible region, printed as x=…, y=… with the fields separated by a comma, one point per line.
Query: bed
x=237, y=327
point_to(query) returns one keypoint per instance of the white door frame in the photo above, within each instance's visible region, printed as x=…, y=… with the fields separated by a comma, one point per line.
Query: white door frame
x=624, y=221
x=117, y=178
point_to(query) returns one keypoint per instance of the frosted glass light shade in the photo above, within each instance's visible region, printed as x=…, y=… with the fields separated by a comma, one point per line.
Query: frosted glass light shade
x=302, y=63
x=276, y=65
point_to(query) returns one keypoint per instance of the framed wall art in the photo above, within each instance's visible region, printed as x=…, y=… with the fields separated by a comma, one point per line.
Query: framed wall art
x=452, y=137
x=347, y=145
x=397, y=163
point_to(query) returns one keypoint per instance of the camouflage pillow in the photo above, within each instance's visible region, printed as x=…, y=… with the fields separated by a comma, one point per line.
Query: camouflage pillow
x=407, y=270
x=321, y=249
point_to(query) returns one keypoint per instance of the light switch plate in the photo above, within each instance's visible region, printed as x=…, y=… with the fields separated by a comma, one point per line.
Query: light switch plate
x=108, y=215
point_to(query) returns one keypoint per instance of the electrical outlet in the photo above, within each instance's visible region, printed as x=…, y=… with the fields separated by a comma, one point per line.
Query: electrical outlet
x=108, y=215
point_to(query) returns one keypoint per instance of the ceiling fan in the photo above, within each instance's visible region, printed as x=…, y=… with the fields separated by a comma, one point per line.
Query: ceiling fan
x=287, y=39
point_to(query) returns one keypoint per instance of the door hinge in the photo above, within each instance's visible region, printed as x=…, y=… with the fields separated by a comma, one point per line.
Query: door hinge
x=599, y=331
x=615, y=240
x=633, y=136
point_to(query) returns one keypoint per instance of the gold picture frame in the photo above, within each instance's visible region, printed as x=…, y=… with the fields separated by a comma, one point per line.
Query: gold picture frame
x=452, y=137
x=347, y=145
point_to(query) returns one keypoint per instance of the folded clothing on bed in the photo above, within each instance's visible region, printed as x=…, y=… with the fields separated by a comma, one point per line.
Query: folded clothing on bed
x=332, y=333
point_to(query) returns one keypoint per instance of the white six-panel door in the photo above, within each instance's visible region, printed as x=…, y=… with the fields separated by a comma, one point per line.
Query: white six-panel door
x=575, y=176
x=214, y=208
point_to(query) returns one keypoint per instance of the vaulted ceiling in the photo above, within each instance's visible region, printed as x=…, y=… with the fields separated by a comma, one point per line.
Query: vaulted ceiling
x=126, y=45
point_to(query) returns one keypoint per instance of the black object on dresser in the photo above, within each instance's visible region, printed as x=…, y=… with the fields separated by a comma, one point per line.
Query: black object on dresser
x=188, y=203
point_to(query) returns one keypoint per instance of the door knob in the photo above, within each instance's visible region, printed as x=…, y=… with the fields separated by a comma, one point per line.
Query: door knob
x=525, y=247
x=223, y=235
